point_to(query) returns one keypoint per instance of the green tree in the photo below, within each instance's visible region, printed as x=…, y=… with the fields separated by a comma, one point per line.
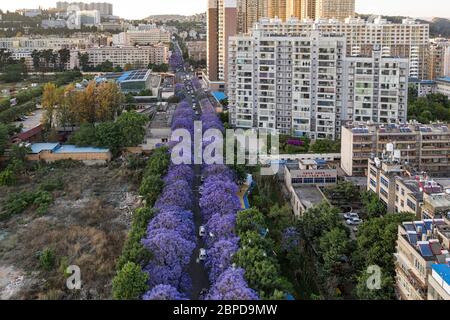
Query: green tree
x=375, y=246
x=13, y=72
x=4, y=137
x=373, y=206
x=250, y=220
x=150, y=189
x=85, y=136
x=109, y=135
x=133, y=250
x=334, y=245
x=132, y=126
x=325, y=146
x=130, y=282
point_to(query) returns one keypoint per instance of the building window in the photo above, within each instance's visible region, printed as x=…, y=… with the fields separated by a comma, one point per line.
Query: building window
x=411, y=205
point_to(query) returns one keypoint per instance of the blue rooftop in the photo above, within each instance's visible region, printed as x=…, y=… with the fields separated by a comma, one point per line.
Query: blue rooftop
x=124, y=76
x=39, y=147
x=219, y=95
x=75, y=149
x=58, y=148
x=443, y=270
x=446, y=79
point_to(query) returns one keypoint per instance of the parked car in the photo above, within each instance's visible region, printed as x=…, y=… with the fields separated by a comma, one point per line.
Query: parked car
x=202, y=255
x=202, y=231
x=354, y=222
x=351, y=215
x=355, y=229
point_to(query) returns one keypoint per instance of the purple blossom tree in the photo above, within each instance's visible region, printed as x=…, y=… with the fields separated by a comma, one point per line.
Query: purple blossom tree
x=220, y=227
x=220, y=257
x=231, y=285
x=180, y=221
x=163, y=292
x=168, y=247
x=177, y=194
x=179, y=172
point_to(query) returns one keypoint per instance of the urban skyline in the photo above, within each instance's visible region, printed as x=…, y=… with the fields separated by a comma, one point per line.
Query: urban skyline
x=440, y=8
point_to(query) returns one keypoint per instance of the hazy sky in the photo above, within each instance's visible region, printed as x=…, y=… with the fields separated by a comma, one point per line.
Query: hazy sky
x=143, y=8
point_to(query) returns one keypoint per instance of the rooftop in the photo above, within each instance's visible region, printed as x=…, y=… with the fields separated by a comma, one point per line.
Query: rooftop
x=405, y=128
x=309, y=196
x=443, y=270
x=444, y=79
x=421, y=236
x=58, y=148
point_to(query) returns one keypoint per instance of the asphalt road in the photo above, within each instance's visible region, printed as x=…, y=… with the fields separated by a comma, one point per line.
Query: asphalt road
x=196, y=269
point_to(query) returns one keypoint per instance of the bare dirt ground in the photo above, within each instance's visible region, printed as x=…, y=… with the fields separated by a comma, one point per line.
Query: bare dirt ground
x=85, y=226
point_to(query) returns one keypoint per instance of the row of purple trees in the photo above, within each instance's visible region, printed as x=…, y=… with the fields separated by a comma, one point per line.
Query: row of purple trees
x=170, y=233
x=219, y=204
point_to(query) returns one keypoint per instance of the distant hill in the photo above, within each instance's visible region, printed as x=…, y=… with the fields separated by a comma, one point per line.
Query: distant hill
x=439, y=27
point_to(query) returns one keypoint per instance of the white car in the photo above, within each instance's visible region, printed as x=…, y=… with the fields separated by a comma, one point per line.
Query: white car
x=354, y=222
x=202, y=231
x=351, y=215
x=202, y=255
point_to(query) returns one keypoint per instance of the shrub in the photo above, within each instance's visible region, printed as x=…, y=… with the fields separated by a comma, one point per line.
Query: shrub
x=130, y=282
x=47, y=259
x=7, y=177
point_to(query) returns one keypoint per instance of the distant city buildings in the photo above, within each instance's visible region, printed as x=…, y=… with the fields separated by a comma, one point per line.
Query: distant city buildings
x=142, y=35
x=196, y=50
x=138, y=57
x=104, y=8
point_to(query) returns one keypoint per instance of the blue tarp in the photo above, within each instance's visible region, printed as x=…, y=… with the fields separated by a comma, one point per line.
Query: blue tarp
x=219, y=95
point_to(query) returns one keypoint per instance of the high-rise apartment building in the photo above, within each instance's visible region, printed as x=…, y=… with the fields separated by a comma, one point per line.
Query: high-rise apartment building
x=423, y=147
x=289, y=84
x=105, y=9
x=334, y=9
x=249, y=12
x=308, y=9
x=222, y=23
x=439, y=58
x=304, y=84
x=375, y=89
x=277, y=9
x=409, y=39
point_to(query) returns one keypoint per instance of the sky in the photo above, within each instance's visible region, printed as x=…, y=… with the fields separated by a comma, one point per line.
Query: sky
x=137, y=9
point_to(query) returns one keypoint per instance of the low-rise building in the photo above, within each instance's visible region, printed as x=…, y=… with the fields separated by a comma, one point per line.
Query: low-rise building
x=423, y=87
x=51, y=152
x=420, y=246
x=139, y=57
x=443, y=86
x=303, y=181
x=399, y=189
x=423, y=147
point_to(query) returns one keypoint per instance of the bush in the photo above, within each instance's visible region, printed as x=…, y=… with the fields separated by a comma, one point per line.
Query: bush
x=129, y=283
x=47, y=259
x=7, y=177
x=133, y=250
x=52, y=185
